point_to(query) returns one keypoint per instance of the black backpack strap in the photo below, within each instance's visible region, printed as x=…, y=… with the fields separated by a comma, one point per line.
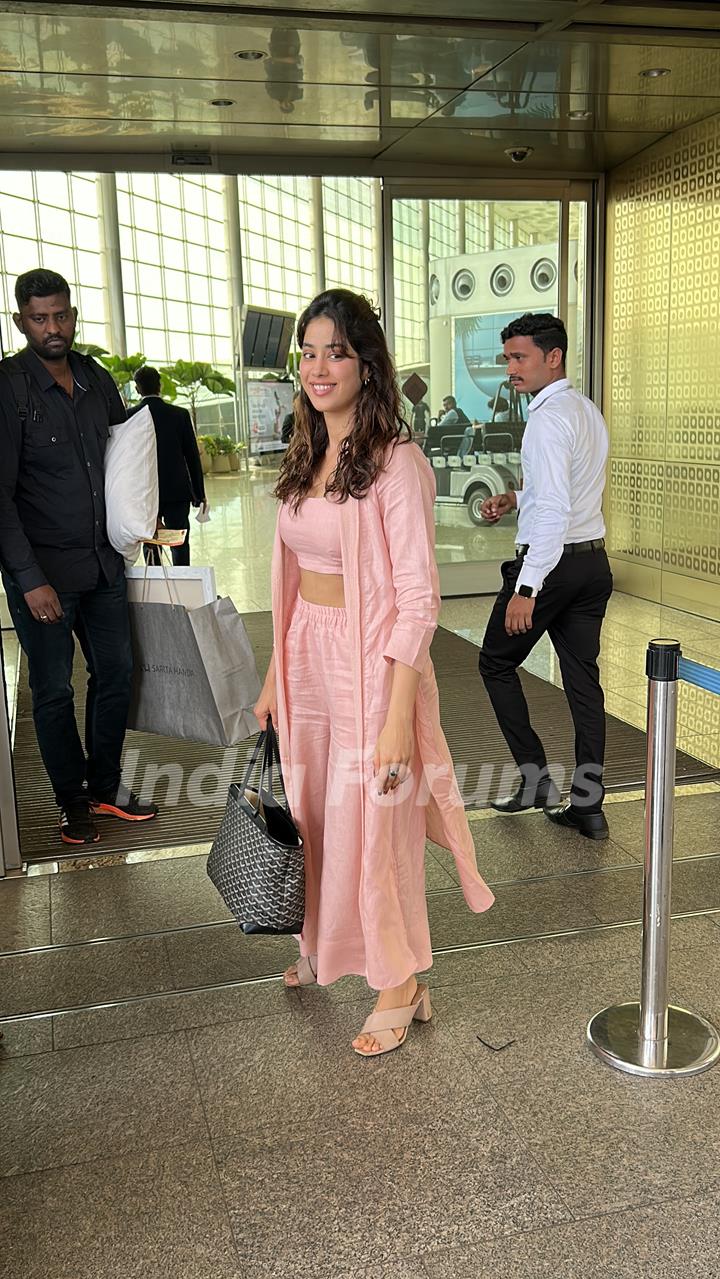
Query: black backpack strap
x=21, y=390
x=19, y=381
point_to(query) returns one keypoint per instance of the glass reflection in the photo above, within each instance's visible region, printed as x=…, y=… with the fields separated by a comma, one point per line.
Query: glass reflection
x=462, y=271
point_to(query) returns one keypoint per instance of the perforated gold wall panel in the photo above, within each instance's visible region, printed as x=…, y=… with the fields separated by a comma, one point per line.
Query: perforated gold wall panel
x=662, y=374
x=662, y=391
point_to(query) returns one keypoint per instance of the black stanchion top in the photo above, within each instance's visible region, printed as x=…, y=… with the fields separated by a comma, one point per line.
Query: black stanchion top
x=661, y=660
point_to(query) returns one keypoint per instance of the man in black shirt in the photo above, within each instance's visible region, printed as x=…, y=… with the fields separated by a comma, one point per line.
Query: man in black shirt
x=420, y=417
x=179, y=468
x=62, y=578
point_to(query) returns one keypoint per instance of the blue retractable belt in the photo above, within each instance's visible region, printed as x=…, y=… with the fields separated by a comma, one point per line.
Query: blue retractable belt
x=702, y=676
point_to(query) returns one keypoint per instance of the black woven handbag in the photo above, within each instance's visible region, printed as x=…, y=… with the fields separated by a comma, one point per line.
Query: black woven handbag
x=257, y=860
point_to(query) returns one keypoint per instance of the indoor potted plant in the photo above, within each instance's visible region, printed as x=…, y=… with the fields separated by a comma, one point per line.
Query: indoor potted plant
x=225, y=448
x=207, y=450
x=193, y=379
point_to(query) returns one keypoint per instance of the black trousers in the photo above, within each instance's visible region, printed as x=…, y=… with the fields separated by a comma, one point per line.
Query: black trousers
x=100, y=621
x=570, y=607
x=173, y=515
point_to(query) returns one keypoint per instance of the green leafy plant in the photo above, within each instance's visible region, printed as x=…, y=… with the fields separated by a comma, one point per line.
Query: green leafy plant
x=88, y=348
x=122, y=368
x=210, y=445
x=191, y=378
x=225, y=445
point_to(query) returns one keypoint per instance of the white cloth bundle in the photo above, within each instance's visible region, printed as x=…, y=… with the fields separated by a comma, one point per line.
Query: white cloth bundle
x=131, y=484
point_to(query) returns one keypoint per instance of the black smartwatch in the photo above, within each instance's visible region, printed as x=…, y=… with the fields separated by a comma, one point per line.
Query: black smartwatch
x=527, y=592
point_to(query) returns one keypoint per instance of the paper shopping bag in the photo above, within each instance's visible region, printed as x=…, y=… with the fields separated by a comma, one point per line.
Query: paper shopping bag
x=195, y=675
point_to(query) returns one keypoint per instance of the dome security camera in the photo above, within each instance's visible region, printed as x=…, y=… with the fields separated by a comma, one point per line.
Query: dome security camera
x=518, y=155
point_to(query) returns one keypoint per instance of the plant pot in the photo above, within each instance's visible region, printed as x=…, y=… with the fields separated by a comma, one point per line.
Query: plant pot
x=234, y=461
x=221, y=464
x=205, y=459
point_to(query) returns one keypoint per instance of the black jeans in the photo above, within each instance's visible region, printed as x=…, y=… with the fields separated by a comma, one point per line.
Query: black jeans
x=100, y=621
x=570, y=607
x=173, y=515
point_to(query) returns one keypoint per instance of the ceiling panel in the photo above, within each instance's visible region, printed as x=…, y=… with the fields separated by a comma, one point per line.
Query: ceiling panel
x=87, y=134
x=528, y=11
x=168, y=101
x=568, y=152
x=407, y=81
x=684, y=13
x=523, y=113
x=574, y=66
x=182, y=50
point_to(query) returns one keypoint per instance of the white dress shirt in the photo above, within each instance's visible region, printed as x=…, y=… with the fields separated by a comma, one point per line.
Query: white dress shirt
x=564, y=455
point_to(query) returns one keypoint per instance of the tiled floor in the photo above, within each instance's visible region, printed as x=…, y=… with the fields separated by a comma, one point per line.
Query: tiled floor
x=151, y=1127
x=235, y=1134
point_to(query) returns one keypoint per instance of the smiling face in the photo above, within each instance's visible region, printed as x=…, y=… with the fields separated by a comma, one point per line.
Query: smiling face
x=330, y=371
x=48, y=325
x=529, y=368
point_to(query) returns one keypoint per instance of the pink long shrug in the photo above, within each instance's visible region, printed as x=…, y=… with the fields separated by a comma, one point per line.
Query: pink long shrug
x=392, y=600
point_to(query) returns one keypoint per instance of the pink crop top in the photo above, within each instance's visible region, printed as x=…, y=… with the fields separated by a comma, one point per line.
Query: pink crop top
x=313, y=533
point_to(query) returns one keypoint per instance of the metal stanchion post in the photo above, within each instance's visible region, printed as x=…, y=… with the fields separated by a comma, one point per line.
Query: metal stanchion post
x=652, y=1037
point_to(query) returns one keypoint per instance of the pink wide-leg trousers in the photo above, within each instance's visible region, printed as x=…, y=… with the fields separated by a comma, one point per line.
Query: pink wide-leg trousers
x=365, y=910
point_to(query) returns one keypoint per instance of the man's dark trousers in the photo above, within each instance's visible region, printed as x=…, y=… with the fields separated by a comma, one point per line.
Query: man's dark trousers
x=173, y=515
x=570, y=607
x=99, y=619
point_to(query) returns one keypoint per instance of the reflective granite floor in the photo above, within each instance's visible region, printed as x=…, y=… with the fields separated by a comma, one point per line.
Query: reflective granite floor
x=169, y=1108
x=238, y=542
x=152, y=1128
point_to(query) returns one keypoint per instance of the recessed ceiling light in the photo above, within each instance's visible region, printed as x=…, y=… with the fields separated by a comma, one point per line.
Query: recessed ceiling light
x=250, y=55
x=655, y=73
x=579, y=115
x=222, y=102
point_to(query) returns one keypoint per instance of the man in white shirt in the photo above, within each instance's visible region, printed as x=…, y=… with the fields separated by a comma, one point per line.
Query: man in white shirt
x=451, y=414
x=560, y=581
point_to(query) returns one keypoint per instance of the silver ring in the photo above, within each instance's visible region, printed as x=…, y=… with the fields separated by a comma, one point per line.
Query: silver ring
x=43, y=617
x=393, y=772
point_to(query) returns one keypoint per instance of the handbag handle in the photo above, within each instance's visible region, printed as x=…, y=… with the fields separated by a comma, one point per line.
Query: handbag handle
x=267, y=747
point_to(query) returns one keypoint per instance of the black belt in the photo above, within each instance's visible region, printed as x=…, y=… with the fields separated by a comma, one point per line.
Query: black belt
x=571, y=548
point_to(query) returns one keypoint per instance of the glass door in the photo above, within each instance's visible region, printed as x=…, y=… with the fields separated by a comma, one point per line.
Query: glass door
x=461, y=267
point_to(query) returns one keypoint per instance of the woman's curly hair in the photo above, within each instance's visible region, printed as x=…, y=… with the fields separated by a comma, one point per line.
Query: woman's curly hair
x=379, y=420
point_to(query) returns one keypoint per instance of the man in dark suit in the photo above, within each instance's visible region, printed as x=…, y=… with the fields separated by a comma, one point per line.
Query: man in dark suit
x=179, y=469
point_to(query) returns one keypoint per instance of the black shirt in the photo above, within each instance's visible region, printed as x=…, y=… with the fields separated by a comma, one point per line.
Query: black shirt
x=52, y=482
x=180, y=474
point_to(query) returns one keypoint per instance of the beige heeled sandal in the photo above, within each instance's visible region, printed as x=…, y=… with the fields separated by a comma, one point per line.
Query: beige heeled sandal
x=382, y=1026
x=306, y=975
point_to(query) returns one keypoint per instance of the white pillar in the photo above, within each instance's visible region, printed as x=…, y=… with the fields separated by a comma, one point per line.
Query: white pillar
x=317, y=223
x=236, y=299
x=112, y=263
x=379, y=244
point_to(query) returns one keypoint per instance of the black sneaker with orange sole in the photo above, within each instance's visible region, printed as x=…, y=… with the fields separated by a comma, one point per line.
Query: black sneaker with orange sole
x=76, y=823
x=125, y=804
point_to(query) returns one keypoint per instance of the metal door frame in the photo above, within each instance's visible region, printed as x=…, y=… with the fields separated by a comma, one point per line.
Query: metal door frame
x=482, y=577
x=10, y=854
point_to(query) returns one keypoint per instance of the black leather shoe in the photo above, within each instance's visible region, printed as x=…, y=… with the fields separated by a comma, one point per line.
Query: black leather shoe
x=546, y=793
x=593, y=825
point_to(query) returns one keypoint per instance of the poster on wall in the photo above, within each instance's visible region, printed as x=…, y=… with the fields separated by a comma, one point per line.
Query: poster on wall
x=268, y=405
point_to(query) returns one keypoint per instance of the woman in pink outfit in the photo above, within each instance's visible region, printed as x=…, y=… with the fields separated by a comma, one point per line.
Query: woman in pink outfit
x=350, y=684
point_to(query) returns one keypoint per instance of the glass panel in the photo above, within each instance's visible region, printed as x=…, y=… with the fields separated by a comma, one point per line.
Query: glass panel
x=578, y=364
x=55, y=226
x=18, y=216
x=462, y=271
